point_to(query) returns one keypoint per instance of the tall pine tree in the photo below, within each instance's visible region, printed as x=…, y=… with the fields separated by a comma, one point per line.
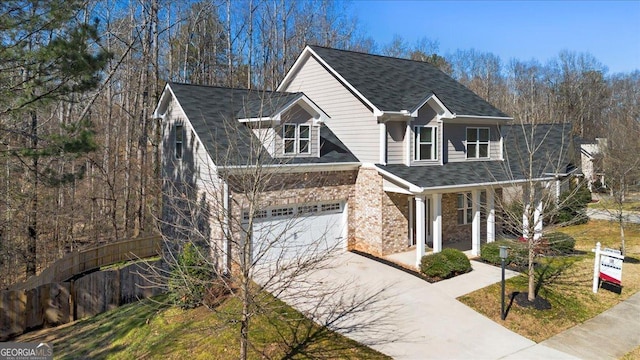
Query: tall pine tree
x=49, y=55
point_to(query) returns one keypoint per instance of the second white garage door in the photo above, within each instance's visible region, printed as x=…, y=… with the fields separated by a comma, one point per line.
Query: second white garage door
x=291, y=232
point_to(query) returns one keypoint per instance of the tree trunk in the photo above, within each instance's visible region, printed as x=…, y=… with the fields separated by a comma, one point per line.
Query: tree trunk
x=32, y=241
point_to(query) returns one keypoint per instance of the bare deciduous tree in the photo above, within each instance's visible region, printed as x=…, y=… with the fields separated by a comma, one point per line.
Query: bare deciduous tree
x=538, y=160
x=219, y=207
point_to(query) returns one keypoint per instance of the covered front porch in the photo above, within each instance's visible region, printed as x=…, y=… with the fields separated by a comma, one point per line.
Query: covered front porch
x=461, y=218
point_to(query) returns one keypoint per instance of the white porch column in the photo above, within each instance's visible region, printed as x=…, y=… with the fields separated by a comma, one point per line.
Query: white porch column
x=436, y=214
x=475, y=228
x=491, y=215
x=383, y=143
x=420, y=229
x=407, y=142
x=537, y=218
x=410, y=222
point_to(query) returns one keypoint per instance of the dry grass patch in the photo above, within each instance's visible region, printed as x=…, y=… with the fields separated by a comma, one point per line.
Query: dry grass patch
x=567, y=285
x=632, y=355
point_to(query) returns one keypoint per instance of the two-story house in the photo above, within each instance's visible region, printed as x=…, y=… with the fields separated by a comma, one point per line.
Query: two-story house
x=373, y=153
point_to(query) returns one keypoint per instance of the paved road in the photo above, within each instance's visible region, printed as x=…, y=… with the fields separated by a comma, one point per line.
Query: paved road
x=406, y=317
x=629, y=216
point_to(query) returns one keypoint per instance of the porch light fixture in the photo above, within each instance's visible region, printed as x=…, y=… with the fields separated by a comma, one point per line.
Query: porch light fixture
x=503, y=256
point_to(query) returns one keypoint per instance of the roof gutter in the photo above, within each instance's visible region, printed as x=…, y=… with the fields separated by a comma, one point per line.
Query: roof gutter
x=485, y=184
x=294, y=167
x=482, y=117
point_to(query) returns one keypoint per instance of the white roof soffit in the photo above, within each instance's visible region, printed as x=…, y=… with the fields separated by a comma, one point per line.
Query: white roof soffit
x=398, y=180
x=436, y=104
x=309, y=52
x=162, y=103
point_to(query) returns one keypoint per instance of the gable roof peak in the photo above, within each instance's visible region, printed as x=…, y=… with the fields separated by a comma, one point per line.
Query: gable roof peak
x=395, y=84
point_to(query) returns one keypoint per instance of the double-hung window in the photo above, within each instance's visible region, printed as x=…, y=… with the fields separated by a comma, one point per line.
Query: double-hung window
x=179, y=140
x=465, y=208
x=297, y=138
x=477, y=143
x=426, y=143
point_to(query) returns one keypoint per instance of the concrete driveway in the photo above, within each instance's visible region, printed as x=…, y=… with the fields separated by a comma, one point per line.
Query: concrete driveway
x=404, y=316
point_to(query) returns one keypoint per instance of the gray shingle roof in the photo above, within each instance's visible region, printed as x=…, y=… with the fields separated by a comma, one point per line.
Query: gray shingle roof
x=213, y=112
x=394, y=84
x=554, y=153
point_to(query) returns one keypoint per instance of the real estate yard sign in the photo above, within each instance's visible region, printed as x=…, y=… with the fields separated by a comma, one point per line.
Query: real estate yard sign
x=607, y=266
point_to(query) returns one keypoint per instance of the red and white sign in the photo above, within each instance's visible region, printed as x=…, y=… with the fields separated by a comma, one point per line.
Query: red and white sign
x=611, y=266
x=607, y=266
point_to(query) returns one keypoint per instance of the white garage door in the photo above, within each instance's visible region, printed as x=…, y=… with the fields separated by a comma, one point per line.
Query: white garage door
x=291, y=232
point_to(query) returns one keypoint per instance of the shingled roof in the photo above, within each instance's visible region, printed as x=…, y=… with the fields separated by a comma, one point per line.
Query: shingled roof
x=554, y=154
x=393, y=84
x=214, y=112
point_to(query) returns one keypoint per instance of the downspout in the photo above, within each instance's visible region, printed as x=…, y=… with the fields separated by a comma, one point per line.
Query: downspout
x=226, y=231
x=383, y=143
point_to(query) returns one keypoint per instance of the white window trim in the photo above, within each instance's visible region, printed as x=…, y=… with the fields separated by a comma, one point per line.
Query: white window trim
x=296, y=139
x=178, y=127
x=417, y=143
x=469, y=208
x=308, y=138
x=466, y=208
x=478, y=142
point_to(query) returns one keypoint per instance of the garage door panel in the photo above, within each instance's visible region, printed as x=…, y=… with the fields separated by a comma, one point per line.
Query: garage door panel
x=294, y=237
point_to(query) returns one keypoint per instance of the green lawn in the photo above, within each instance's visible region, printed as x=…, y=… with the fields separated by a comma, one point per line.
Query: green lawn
x=568, y=286
x=154, y=330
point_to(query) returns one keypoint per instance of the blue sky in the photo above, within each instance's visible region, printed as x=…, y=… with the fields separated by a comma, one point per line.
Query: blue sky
x=609, y=30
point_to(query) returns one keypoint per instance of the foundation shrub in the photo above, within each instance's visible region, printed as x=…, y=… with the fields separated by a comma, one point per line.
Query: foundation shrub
x=517, y=253
x=445, y=264
x=459, y=262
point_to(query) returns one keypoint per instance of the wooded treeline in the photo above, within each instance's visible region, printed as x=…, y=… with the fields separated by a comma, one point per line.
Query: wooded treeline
x=80, y=80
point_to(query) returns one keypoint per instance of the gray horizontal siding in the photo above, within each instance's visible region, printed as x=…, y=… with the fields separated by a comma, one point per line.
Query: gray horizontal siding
x=456, y=136
x=351, y=120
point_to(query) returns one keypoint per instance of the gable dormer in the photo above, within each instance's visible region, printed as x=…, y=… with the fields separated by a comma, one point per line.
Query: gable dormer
x=292, y=128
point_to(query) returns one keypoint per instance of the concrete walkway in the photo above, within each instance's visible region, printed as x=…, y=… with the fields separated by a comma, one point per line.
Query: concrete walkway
x=405, y=317
x=482, y=276
x=609, y=335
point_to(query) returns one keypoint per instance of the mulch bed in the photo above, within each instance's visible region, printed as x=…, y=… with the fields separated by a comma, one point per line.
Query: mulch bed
x=539, y=303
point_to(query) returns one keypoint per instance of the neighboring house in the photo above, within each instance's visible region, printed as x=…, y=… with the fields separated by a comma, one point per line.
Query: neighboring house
x=591, y=162
x=386, y=155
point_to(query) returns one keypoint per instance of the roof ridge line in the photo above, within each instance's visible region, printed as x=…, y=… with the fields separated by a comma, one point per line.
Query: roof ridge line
x=231, y=88
x=377, y=55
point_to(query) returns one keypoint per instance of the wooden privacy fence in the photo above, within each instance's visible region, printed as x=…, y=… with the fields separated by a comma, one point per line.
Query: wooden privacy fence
x=79, y=262
x=53, y=304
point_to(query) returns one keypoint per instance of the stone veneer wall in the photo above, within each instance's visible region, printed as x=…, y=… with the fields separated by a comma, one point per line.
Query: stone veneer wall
x=395, y=223
x=367, y=218
x=452, y=232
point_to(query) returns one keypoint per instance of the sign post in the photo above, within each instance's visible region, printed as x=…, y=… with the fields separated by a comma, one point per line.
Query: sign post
x=596, y=268
x=607, y=266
